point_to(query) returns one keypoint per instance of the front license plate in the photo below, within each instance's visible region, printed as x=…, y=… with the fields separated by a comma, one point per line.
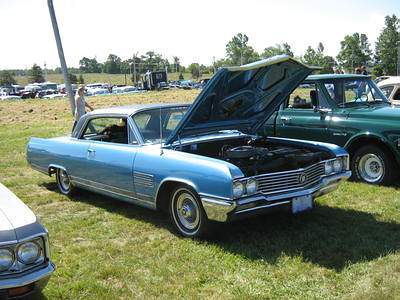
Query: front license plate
x=303, y=203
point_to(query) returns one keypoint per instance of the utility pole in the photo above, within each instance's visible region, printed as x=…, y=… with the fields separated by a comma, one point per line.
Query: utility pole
x=134, y=69
x=61, y=55
x=45, y=72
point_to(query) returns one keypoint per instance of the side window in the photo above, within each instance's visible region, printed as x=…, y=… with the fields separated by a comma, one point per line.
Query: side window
x=397, y=95
x=112, y=130
x=387, y=90
x=173, y=120
x=305, y=96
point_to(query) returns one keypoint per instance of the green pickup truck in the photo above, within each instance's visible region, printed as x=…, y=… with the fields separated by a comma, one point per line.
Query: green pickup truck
x=348, y=110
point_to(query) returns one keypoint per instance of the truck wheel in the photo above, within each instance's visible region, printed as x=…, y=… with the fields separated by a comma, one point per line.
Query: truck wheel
x=186, y=213
x=372, y=165
x=63, y=182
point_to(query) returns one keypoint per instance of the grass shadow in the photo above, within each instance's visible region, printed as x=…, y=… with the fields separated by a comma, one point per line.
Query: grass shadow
x=327, y=236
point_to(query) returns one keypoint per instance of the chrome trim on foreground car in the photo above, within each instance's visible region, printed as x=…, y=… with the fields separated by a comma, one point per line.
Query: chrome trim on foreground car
x=223, y=210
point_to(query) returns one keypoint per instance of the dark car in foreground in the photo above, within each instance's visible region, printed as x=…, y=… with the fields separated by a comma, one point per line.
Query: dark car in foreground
x=25, y=265
x=350, y=111
x=203, y=162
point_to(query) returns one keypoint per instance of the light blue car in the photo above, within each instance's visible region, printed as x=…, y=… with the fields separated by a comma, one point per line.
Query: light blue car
x=200, y=163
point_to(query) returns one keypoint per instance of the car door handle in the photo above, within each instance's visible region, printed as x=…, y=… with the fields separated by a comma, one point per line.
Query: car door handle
x=285, y=119
x=91, y=151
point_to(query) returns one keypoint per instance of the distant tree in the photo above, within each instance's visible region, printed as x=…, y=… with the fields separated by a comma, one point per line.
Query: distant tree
x=354, y=51
x=181, y=76
x=80, y=79
x=72, y=78
x=35, y=74
x=238, y=52
x=112, y=65
x=277, y=50
x=194, y=69
x=89, y=65
x=7, y=78
x=387, y=45
x=317, y=57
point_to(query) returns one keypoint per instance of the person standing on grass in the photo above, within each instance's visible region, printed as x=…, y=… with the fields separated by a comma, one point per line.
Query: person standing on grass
x=80, y=105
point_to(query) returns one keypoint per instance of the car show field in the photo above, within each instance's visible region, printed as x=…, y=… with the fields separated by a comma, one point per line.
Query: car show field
x=347, y=247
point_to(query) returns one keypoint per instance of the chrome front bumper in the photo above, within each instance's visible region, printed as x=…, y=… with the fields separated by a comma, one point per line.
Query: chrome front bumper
x=37, y=276
x=223, y=210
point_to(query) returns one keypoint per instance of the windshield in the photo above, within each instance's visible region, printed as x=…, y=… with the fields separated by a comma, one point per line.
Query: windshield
x=148, y=122
x=354, y=92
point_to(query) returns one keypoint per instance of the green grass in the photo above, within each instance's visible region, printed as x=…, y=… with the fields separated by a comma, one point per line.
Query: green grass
x=103, y=77
x=347, y=248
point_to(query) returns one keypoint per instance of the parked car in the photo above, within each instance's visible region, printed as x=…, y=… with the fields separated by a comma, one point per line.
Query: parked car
x=390, y=87
x=350, y=111
x=207, y=162
x=25, y=265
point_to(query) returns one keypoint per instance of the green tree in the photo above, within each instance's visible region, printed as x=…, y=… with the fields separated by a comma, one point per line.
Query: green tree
x=238, y=52
x=354, y=51
x=89, y=65
x=7, y=78
x=194, y=69
x=277, y=50
x=80, y=79
x=35, y=74
x=317, y=57
x=387, y=45
x=72, y=78
x=112, y=64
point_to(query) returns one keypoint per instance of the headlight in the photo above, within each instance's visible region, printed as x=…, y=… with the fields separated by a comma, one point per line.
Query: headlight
x=338, y=165
x=6, y=259
x=28, y=252
x=251, y=186
x=238, y=189
x=328, y=167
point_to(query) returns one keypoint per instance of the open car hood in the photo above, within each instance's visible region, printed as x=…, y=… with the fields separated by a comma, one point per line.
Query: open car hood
x=242, y=98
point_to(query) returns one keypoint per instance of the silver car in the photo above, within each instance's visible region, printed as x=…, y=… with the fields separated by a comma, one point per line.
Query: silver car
x=25, y=265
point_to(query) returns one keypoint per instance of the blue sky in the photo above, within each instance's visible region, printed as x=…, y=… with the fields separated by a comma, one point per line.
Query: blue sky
x=195, y=31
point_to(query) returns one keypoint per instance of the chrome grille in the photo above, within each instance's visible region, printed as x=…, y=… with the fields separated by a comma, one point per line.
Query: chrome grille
x=290, y=180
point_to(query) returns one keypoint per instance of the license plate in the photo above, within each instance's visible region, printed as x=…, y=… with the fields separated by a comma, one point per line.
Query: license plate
x=303, y=203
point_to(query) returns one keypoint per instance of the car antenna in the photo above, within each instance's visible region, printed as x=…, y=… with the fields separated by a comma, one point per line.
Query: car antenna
x=161, y=137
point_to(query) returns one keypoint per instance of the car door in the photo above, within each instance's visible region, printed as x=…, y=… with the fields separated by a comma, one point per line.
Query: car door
x=306, y=115
x=110, y=156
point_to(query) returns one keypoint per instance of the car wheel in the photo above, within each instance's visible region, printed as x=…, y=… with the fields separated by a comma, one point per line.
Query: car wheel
x=372, y=165
x=63, y=182
x=187, y=214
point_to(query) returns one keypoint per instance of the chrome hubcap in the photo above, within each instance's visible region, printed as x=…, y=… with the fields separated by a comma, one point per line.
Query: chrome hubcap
x=64, y=180
x=371, y=168
x=187, y=211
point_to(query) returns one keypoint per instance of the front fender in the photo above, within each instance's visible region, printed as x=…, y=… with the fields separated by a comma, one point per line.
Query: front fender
x=207, y=176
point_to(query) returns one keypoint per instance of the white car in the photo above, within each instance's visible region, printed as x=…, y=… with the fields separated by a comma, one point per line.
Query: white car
x=391, y=89
x=25, y=265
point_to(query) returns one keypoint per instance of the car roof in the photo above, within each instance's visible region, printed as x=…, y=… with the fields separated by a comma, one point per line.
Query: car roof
x=132, y=109
x=395, y=80
x=336, y=76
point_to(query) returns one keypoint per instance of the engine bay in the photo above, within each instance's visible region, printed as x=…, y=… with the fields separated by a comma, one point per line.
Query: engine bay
x=256, y=156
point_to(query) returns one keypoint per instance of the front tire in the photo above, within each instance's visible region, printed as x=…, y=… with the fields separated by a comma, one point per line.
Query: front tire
x=64, y=183
x=373, y=165
x=187, y=214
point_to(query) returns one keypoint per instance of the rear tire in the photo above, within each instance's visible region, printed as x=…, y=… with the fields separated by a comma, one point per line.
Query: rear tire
x=187, y=214
x=372, y=164
x=64, y=183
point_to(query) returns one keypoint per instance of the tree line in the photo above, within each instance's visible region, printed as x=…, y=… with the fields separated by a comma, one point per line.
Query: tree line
x=355, y=51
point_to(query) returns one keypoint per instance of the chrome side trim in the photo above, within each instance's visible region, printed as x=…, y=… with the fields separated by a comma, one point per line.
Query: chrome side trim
x=143, y=179
x=112, y=190
x=39, y=168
